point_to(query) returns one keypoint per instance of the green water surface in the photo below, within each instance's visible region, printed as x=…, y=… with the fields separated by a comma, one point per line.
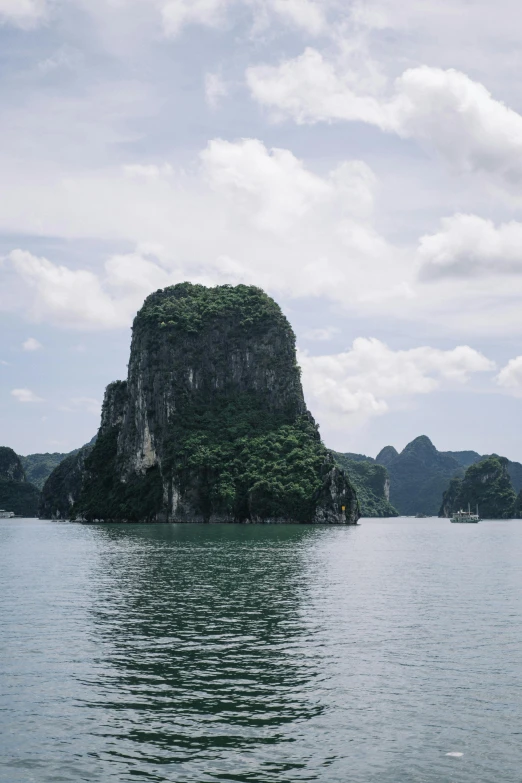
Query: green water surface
x=267, y=654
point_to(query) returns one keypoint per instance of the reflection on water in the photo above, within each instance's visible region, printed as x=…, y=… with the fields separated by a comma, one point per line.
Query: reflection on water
x=202, y=633
x=263, y=654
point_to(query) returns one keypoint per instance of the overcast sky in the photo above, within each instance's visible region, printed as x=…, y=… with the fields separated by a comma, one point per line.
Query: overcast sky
x=361, y=161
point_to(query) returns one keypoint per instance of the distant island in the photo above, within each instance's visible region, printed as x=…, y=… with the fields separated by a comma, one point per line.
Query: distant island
x=17, y=495
x=426, y=482
x=487, y=486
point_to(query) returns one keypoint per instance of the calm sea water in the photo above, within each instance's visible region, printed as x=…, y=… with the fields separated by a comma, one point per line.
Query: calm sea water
x=261, y=654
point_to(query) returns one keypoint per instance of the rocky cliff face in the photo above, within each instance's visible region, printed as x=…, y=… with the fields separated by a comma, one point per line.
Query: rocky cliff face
x=211, y=424
x=517, y=512
x=64, y=486
x=10, y=465
x=486, y=484
x=371, y=482
x=16, y=494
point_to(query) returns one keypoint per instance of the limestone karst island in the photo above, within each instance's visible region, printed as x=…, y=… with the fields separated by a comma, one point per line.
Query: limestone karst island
x=211, y=424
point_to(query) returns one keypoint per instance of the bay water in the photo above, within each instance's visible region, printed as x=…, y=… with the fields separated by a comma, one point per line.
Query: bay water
x=390, y=652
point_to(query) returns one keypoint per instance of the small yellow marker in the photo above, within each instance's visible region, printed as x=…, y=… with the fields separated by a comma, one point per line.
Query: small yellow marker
x=343, y=508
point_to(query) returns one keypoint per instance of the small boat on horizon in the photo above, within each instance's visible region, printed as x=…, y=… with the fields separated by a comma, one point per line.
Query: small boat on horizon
x=466, y=516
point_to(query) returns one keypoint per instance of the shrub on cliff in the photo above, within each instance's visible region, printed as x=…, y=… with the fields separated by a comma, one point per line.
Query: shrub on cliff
x=371, y=482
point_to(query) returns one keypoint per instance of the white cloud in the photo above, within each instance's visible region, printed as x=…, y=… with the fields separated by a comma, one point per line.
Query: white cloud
x=22, y=13
x=69, y=297
x=350, y=387
x=272, y=186
x=442, y=108
x=307, y=15
x=468, y=245
x=309, y=89
x=31, y=344
x=79, y=298
x=215, y=89
x=176, y=14
x=25, y=395
x=321, y=335
x=510, y=376
x=248, y=214
x=371, y=17
x=275, y=191
x=461, y=120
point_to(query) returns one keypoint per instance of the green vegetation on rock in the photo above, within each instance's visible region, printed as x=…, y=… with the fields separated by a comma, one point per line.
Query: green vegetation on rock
x=64, y=485
x=38, y=467
x=420, y=475
x=464, y=458
x=353, y=457
x=515, y=474
x=487, y=485
x=211, y=424
x=386, y=455
x=371, y=482
x=517, y=512
x=276, y=475
x=11, y=468
x=16, y=494
x=100, y=493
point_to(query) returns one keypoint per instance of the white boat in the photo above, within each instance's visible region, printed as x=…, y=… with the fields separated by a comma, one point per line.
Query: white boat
x=466, y=516
x=6, y=514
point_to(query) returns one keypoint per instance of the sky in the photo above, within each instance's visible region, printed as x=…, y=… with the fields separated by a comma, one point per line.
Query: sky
x=360, y=161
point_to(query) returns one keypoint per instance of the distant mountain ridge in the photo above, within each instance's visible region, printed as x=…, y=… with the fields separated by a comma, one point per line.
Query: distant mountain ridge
x=22, y=478
x=38, y=467
x=464, y=458
x=418, y=480
x=420, y=475
x=386, y=455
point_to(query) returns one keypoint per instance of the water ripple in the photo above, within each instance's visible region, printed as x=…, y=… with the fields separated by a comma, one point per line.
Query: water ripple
x=389, y=653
